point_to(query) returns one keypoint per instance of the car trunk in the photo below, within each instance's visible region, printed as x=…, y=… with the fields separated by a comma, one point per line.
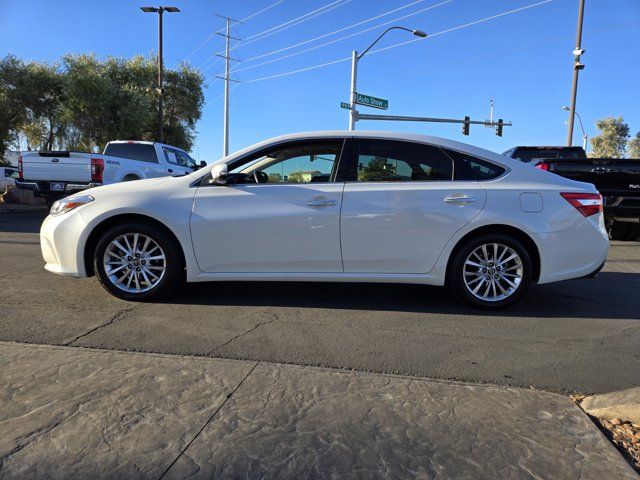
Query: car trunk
x=56, y=166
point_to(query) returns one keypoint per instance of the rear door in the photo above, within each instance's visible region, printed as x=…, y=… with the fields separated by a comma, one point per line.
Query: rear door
x=401, y=206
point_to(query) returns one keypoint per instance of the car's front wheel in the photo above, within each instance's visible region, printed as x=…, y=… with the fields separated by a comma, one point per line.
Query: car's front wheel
x=491, y=271
x=137, y=261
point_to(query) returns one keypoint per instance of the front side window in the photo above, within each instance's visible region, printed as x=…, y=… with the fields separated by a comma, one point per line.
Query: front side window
x=396, y=161
x=10, y=173
x=299, y=163
x=185, y=160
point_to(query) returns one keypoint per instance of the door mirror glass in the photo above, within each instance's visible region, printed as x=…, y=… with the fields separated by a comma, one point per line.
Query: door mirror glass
x=219, y=174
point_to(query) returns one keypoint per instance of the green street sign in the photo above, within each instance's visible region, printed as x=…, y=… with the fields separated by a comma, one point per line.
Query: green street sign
x=345, y=105
x=370, y=101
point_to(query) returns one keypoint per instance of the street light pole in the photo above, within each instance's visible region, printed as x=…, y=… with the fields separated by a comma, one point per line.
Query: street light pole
x=585, y=137
x=160, y=10
x=160, y=77
x=353, y=113
x=577, y=66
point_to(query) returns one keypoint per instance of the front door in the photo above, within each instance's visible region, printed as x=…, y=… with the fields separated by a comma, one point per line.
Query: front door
x=280, y=213
x=401, y=206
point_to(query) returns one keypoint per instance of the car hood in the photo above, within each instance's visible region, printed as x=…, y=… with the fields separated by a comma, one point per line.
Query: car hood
x=133, y=186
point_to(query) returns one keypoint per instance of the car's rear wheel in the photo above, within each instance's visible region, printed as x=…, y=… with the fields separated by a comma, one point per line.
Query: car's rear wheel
x=490, y=271
x=137, y=261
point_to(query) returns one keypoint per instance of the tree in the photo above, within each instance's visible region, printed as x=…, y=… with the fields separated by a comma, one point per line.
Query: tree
x=612, y=142
x=13, y=99
x=633, y=146
x=84, y=101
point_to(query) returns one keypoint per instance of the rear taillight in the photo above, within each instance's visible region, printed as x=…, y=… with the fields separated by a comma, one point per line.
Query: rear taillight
x=543, y=166
x=20, y=175
x=97, y=168
x=586, y=203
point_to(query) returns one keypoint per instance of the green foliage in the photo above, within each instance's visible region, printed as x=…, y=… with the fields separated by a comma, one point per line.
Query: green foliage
x=633, y=147
x=86, y=101
x=612, y=141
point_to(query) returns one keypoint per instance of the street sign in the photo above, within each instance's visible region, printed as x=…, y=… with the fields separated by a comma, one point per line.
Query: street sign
x=370, y=101
x=345, y=105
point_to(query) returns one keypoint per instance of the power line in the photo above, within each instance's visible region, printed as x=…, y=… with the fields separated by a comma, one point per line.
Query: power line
x=465, y=25
x=296, y=21
x=220, y=30
x=344, y=37
x=334, y=32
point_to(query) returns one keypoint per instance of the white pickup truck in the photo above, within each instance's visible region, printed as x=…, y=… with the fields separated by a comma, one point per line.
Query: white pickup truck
x=56, y=174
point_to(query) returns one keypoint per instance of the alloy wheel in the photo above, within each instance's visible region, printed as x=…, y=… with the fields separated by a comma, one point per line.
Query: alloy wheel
x=134, y=262
x=493, y=272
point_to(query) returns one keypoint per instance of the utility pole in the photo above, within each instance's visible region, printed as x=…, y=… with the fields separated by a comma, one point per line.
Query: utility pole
x=577, y=66
x=227, y=79
x=160, y=10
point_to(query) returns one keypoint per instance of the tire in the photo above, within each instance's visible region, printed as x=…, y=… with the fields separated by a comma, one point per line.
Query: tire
x=130, y=178
x=138, y=284
x=463, y=278
x=624, y=231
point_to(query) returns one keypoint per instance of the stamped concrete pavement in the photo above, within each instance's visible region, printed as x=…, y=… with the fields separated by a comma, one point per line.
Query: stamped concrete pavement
x=84, y=413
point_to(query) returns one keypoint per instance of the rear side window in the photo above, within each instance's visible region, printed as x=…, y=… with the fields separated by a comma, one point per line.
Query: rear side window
x=141, y=152
x=468, y=167
x=10, y=173
x=395, y=161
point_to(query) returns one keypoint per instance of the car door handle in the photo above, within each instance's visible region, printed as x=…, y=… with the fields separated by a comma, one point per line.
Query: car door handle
x=322, y=203
x=459, y=199
x=170, y=170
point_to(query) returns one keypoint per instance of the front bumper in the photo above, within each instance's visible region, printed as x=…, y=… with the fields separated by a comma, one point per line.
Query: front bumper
x=573, y=253
x=61, y=238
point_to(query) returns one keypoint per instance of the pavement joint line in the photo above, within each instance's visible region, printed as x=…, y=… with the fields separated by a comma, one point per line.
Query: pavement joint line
x=255, y=327
x=109, y=322
x=209, y=420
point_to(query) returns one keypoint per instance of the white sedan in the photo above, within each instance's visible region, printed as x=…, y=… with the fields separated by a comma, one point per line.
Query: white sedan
x=336, y=207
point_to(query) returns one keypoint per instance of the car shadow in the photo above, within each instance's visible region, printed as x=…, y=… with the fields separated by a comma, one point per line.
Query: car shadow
x=610, y=295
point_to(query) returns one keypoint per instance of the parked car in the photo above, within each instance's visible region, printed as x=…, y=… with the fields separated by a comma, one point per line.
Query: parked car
x=8, y=176
x=55, y=174
x=617, y=179
x=377, y=207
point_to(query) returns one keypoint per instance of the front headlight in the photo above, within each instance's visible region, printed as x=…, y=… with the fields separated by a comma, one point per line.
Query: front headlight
x=67, y=204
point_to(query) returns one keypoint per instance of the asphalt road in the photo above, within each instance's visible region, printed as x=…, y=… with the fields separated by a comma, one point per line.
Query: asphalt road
x=578, y=336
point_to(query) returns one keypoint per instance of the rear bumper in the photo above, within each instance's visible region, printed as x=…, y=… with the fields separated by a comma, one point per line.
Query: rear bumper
x=43, y=187
x=573, y=253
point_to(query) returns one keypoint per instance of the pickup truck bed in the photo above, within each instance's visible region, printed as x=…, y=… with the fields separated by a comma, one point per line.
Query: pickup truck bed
x=55, y=174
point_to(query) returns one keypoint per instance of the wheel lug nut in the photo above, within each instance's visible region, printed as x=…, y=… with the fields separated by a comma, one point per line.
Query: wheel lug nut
x=143, y=262
x=484, y=270
x=495, y=276
x=137, y=269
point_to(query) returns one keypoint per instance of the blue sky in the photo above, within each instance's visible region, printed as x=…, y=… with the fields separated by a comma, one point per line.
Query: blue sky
x=522, y=60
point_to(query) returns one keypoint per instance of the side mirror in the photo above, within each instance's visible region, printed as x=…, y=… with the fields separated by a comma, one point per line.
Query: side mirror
x=219, y=174
x=203, y=164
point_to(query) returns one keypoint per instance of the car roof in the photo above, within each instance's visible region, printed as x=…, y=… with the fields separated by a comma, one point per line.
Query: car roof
x=386, y=135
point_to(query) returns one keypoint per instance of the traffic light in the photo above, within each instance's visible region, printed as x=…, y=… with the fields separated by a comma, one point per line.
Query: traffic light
x=499, y=128
x=465, y=125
